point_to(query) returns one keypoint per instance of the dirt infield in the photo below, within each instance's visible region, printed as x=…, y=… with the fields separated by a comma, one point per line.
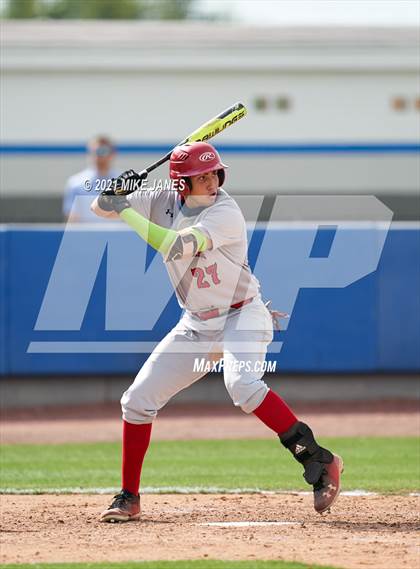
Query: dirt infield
x=362, y=532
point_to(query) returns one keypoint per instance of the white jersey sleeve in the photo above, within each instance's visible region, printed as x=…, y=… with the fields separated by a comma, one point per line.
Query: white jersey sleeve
x=224, y=225
x=141, y=201
x=154, y=205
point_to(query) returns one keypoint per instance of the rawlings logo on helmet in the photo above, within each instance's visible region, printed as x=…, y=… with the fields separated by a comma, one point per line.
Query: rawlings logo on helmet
x=207, y=156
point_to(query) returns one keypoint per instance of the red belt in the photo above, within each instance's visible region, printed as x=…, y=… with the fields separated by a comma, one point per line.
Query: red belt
x=207, y=314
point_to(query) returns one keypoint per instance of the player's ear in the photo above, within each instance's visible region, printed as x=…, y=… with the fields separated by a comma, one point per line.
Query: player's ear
x=188, y=183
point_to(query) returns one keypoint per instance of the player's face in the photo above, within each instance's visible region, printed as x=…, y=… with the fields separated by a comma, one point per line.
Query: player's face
x=204, y=189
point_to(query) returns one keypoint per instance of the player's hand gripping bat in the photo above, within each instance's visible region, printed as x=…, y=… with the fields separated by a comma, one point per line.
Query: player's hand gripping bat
x=206, y=131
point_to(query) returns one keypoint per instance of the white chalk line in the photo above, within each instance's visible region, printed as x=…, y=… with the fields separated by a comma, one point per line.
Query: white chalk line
x=189, y=490
x=248, y=524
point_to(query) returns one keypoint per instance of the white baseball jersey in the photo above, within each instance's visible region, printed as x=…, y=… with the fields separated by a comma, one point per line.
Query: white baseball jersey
x=216, y=278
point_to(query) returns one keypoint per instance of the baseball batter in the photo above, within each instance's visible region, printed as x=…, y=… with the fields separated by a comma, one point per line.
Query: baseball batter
x=201, y=233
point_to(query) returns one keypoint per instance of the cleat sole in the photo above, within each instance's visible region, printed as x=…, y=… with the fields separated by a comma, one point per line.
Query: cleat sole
x=120, y=519
x=328, y=508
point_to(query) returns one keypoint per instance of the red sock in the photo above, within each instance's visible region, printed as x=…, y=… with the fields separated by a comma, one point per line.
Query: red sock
x=275, y=413
x=136, y=439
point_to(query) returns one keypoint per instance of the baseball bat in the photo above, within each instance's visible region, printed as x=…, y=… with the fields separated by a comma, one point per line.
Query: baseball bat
x=204, y=132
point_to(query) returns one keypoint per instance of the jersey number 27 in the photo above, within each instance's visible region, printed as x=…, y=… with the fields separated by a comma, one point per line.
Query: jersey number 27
x=200, y=274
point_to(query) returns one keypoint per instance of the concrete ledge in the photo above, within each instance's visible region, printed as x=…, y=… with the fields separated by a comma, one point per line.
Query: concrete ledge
x=23, y=392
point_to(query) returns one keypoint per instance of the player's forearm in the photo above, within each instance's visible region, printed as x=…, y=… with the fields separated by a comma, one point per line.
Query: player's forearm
x=171, y=244
x=160, y=238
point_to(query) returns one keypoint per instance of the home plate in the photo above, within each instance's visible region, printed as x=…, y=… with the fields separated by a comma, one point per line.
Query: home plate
x=248, y=524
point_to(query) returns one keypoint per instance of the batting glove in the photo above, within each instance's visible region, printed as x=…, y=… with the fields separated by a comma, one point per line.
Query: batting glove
x=112, y=202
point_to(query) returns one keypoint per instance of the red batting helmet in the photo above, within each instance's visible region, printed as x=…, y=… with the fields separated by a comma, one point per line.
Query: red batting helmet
x=192, y=159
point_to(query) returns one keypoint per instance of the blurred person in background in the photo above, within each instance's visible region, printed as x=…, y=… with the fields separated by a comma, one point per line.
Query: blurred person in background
x=90, y=181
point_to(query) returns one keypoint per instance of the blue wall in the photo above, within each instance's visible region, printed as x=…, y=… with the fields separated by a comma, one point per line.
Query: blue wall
x=371, y=325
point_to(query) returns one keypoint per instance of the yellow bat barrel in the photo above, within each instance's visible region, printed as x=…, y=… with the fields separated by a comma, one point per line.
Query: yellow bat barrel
x=219, y=123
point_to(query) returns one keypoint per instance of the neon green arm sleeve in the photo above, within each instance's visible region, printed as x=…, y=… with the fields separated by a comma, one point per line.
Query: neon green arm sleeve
x=160, y=238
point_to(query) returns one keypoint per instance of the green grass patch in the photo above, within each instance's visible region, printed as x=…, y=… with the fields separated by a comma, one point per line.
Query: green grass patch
x=194, y=564
x=373, y=464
